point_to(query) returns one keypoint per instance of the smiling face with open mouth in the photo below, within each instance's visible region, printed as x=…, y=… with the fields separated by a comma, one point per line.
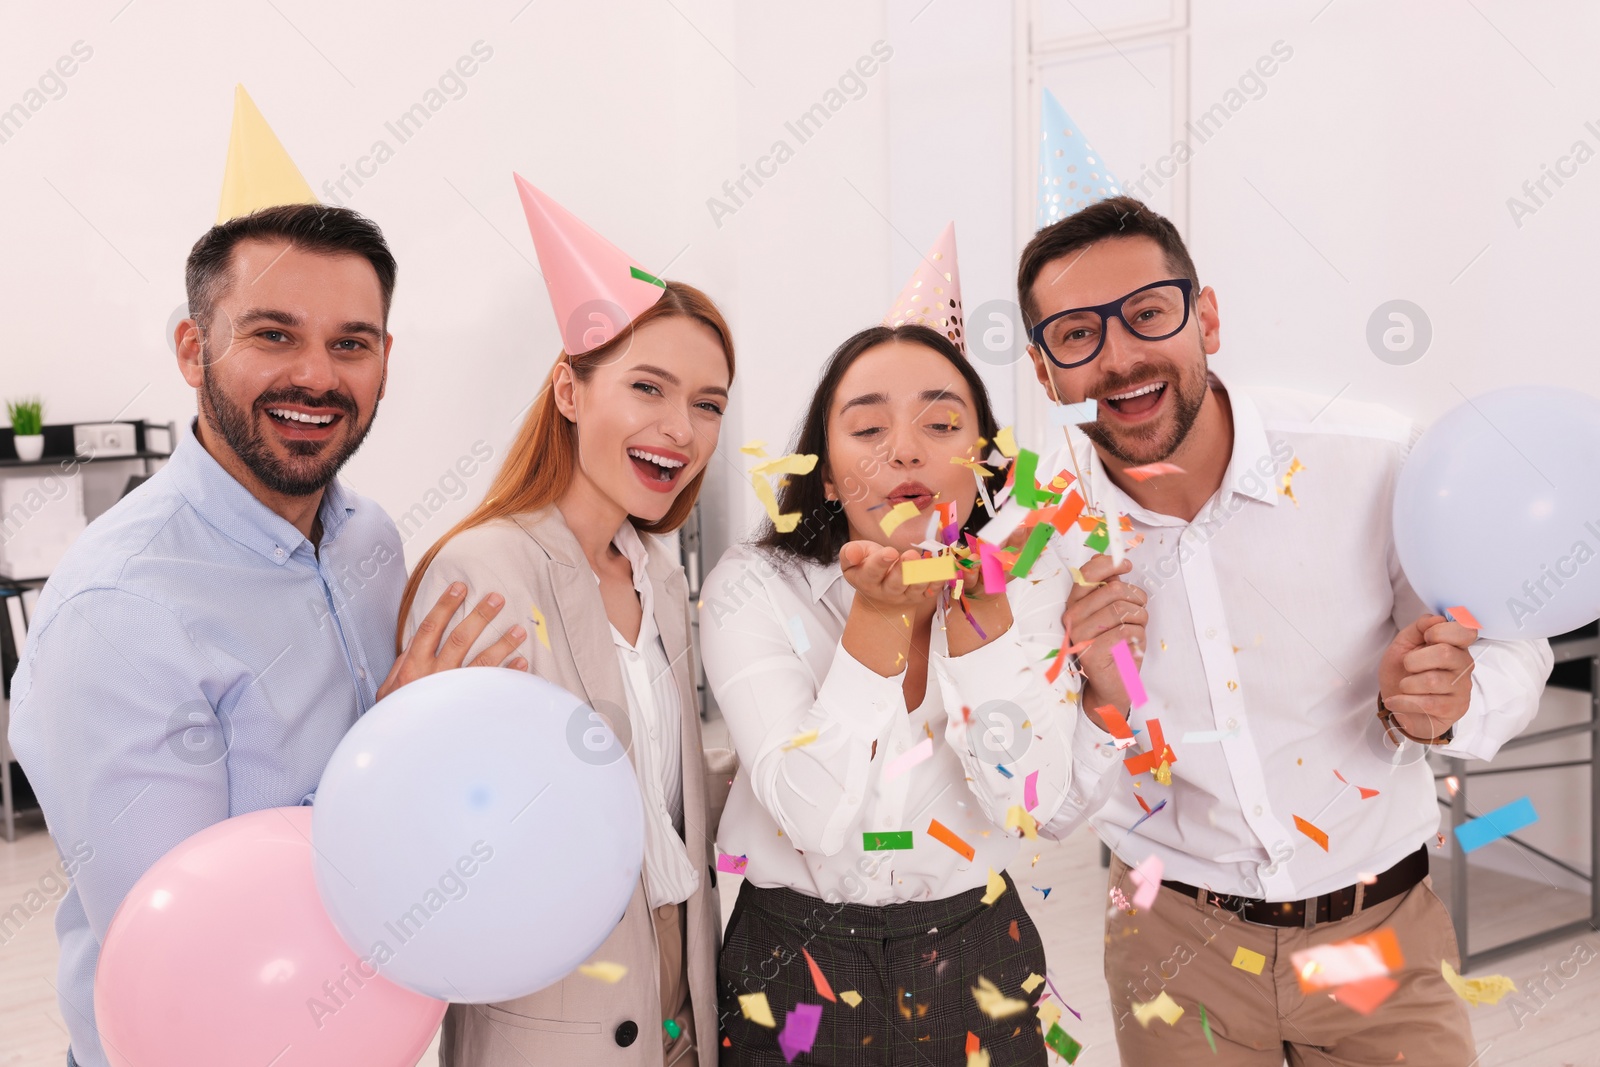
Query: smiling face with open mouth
x=900, y=413
x=292, y=364
x=1150, y=393
x=648, y=417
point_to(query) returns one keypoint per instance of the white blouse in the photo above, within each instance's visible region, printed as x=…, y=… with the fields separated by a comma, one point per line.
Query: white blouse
x=804, y=810
x=653, y=710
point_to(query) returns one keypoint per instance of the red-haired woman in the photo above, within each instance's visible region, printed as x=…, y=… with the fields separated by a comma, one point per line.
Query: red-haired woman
x=611, y=456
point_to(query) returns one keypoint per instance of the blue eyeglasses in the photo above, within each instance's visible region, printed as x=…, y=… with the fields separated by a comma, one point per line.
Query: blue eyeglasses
x=1153, y=312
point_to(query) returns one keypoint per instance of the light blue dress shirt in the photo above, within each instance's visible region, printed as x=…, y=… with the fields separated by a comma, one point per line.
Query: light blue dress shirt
x=192, y=658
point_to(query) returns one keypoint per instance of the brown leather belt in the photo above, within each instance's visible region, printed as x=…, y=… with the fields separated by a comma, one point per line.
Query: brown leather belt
x=1328, y=908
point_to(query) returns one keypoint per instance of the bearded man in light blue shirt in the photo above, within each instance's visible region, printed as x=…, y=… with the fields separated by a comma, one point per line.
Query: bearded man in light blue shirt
x=205, y=644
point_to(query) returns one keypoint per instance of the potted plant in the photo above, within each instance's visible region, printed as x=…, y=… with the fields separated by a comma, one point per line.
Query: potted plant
x=27, y=424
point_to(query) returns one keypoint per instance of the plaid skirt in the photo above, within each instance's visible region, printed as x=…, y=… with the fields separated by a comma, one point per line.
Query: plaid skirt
x=915, y=966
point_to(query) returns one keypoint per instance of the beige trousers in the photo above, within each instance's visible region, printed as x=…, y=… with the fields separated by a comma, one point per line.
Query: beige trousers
x=1258, y=1020
x=670, y=934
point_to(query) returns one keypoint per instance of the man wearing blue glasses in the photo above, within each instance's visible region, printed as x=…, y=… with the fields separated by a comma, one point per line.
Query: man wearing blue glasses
x=1292, y=679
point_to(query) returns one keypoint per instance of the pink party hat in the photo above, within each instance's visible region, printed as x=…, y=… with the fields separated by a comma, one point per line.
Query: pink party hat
x=595, y=288
x=933, y=295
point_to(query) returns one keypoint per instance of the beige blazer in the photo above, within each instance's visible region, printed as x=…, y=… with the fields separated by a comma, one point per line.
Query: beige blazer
x=535, y=560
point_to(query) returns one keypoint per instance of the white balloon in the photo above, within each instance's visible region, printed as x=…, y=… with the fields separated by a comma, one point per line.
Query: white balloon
x=478, y=834
x=1498, y=510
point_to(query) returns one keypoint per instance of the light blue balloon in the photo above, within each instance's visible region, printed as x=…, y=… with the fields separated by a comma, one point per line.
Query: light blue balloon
x=1498, y=510
x=478, y=834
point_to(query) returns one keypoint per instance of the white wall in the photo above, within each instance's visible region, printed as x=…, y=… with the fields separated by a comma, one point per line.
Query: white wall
x=633, y=116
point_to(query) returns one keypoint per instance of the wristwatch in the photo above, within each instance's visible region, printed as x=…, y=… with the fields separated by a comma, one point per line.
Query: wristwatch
x=1391, y=727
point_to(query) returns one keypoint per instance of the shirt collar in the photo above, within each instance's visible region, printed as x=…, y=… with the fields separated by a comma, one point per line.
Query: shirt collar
x=224, y=503
x=821, y=579
x=1242, y=476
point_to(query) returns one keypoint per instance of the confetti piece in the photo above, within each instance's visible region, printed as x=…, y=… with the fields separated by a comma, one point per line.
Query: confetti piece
x=1493, y=825
x=851, y=997
x=754, y=448
x=1295, y=467
x=1079, y=579
x=824, y=990
x=1205, y=1028
x=1031, y=550
x=919, y=571
x=886, y=842
x=1032, y=982
x=784, y=522
x=1366, y=794
x=1464, y=617
x=540, y=627
x=997, y=886
x=609, y=973
x=1147, y=878
x=672, y=1028
x=1018, y=819
x=799, y=1030
x=1074, y=414
x=1015, y=931
x=976, y=1056
x=902, y=763
x=1098, y=540
x=1045, y=890
x=1246, y=960
x=994, y=572
x=797, y=630
x=757, y=1010
x=1163, y=1007
x=794, y=463
x=1312, y=832
x=1365, y=996
x=1116, y=725
x=800, y=740
x=1006, y=521
x=1153, y=811
x=1123, y=656
x=1030, y=790
x=1373, y=955
x=1486, y=990
x=993, y=1003
x=1001, y=767
x=1006, y=442
x=898, y=516
x=1153, y=470
x=1067, y=514
x=732, y=864
x=946, y=836
x=1063, y=1044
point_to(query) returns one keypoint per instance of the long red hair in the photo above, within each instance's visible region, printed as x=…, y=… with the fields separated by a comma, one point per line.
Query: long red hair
x=544, y=455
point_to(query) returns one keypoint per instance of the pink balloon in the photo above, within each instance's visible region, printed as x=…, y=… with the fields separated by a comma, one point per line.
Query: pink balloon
x=223, y=954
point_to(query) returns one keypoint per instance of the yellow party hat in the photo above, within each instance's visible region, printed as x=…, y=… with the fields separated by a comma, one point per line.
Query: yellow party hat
x=260, y=173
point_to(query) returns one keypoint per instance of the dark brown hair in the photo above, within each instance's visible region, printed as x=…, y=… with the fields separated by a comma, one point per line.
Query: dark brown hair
x=312, y=227
x=544, y=455
x=823, y=529
x=1118, y=216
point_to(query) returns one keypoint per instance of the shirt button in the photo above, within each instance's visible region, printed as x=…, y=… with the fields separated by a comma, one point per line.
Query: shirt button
x=1257, y=809
x=1233, y=724
x=1270, y=870
x=278, y=552
x=1211, y=631
x=361, y=672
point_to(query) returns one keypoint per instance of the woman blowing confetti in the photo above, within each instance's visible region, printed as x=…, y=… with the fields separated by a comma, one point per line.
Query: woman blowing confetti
x=899, y=729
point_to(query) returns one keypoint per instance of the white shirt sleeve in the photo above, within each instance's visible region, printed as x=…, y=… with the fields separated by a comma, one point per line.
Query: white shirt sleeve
x=814, y=789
